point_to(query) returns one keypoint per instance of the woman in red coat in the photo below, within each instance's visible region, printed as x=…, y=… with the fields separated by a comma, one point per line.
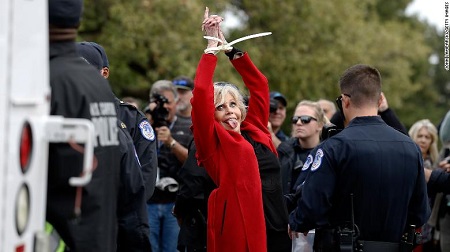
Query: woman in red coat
x=235, y=208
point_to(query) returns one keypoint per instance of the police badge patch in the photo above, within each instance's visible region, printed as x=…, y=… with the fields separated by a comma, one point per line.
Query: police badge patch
x=147, y=130
x=317, y=160
x=308, y=162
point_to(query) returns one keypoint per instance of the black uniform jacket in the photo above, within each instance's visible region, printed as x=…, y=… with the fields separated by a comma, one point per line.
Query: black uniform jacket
x=388, y=116
x=144, y=141
x=78, y=91
x=132, y=207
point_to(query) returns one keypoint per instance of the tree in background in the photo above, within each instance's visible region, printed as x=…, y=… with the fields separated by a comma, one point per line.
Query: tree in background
x=313, y=42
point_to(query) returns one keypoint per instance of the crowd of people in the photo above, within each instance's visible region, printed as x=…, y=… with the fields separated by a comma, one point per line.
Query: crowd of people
x=211, y=169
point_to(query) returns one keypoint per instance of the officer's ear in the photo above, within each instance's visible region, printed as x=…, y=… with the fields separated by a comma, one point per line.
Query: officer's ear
x=345, y=101
x=380, y=100
x=105, y=72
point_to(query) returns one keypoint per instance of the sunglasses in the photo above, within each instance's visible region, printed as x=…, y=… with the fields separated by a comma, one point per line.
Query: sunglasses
x=339, y=100
x=304, y=119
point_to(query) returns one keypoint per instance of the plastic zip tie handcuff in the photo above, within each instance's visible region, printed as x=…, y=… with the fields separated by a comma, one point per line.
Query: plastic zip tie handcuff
x=228, y=46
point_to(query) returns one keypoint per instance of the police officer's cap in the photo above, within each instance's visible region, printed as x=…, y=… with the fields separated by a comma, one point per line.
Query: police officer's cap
x=65, y=13
x=102, y=53
x=89, y=53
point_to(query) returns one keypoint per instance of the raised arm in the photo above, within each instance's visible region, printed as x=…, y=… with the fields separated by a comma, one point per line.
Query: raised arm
x=257, y=84
x=203, y=94
x=203, y=106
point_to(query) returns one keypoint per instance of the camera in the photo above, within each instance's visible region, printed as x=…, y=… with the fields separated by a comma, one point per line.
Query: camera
x=273, y=105
x=329, y=130
x=159, y=113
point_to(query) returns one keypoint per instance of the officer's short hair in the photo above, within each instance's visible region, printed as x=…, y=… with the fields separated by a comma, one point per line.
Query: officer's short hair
x=362, y=83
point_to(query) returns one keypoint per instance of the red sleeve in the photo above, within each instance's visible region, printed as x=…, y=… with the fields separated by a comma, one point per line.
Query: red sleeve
x=257, y=84
x=203, y=107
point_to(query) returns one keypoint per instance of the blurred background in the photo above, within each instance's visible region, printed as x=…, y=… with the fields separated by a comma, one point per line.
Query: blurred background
x=312, y=43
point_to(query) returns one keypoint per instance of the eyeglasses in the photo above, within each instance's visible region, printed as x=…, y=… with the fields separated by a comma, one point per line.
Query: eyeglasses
x=304, y=119
x=339, y=100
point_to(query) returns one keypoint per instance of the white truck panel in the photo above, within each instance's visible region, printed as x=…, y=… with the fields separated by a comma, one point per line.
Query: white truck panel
x=25, y=98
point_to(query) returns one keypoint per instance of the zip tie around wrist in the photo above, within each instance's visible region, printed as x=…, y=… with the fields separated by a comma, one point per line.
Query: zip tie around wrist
x=228, y=46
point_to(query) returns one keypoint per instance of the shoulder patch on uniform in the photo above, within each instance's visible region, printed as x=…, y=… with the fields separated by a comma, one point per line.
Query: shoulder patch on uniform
x=317, y=160
x=308, y=162
x=147, y=130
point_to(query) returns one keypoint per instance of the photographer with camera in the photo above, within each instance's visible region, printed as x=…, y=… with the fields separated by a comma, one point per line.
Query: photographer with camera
x=277, y=115
x=173, y=135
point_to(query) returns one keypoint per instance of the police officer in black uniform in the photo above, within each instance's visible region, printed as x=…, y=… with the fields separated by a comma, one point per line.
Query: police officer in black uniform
x=137, y=125
x=78, y=91
x=133, y=233
x=144, y=141
x=367, y=179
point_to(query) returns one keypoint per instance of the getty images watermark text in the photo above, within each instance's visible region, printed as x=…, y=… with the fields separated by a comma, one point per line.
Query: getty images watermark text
x=446, y=37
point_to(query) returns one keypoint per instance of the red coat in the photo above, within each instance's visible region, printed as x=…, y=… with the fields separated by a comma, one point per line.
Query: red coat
x=235, y=209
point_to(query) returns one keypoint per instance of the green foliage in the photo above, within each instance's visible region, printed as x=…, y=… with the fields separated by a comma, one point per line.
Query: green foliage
x=312, y=43
x=315, y=41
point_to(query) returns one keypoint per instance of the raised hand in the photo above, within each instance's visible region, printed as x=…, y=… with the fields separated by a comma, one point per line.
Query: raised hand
x=211, y=27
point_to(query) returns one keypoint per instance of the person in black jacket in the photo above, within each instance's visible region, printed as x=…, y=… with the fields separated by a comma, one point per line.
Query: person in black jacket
x=137, y=124
x=307, y=124
x=191, y=203
x=369, y=177
x=438, y=180
x=133, y=229
x=78, y=91
x=386, y=113
x=275, y=210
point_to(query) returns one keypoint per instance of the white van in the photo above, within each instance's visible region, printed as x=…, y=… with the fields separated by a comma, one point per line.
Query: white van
x=26, y=127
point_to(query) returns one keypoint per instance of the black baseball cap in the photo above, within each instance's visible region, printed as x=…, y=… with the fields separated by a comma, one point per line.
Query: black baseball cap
x=278, y=96
x=102, y=52
x=65, y=13
x=89, y=53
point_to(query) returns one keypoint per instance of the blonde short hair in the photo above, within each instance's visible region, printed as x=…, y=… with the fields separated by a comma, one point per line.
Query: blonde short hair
x=221, y=89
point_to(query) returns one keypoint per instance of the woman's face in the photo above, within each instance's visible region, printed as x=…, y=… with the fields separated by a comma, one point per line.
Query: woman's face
x=306, y=130
x=424, y=140
x=228, y=114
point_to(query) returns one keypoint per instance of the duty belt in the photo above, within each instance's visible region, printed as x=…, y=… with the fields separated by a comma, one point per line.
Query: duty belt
x=377, y=246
